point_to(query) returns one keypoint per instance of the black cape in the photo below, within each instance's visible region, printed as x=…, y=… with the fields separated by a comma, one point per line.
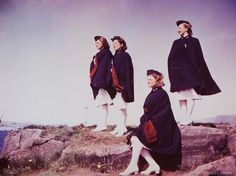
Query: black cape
x=102, y=77
x=187, y=68
x=125, y=73
x=167, y=149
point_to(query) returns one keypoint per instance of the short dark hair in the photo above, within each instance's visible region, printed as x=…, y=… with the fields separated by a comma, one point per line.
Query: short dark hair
x=103, y=40
x=151, y=71
x=121, y=41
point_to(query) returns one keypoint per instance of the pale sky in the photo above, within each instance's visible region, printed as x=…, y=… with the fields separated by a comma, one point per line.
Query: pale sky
x=46, y=47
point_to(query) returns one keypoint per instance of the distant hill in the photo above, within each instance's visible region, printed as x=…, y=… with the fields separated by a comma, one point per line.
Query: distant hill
x=229, y=119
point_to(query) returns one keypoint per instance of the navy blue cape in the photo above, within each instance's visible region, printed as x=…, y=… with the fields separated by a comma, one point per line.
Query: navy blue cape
x=167, y=149
x=187, y=68
x=125, y=73
x=102, y=77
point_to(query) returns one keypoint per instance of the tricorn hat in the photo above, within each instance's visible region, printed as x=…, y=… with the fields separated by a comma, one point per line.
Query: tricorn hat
x=151, y=71
x=181, y=21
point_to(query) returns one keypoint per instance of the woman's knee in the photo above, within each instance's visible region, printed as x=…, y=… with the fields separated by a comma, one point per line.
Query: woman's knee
x=135, y=140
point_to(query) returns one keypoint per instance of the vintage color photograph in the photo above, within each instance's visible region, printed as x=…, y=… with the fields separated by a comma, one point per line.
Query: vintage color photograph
x=125, y=87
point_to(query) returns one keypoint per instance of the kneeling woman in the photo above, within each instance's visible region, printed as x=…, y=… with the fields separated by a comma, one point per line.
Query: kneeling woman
x=165, y=152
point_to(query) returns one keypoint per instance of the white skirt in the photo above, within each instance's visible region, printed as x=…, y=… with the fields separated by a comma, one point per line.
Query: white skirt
x=119, y=102
x=102, y=98
x=187, y=94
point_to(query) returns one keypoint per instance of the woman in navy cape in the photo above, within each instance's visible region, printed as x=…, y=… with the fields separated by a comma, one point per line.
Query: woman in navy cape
x=123, y=82
x=101, y=81
x=166, y=152
x=188, y=73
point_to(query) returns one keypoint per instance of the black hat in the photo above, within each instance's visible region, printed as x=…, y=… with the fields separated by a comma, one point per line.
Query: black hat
x=151, y=71
x=97, y=37
x=181, y=21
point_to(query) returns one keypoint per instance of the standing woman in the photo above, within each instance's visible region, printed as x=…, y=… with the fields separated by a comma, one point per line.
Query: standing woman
x=123, y=82
x=101, y=82
x=165, y=152
x=188, y=73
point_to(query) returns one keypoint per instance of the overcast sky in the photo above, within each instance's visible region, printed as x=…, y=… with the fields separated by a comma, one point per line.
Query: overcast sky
x=46, y=47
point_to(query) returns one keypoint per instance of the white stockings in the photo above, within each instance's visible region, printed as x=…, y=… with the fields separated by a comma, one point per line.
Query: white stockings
x=120, y=123
x=186, y=107
x=102, y=117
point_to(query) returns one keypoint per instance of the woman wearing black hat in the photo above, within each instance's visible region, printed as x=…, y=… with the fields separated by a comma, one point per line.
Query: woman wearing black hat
x=188, y=73
x=165, y=152
x=101, y=80
x=123, y=82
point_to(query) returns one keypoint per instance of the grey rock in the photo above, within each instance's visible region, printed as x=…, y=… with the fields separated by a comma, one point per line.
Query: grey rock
x=97, y=157
x=232, y=144
x=225, y=167
x=38, y=148
x=201, y=145
x=26, y=147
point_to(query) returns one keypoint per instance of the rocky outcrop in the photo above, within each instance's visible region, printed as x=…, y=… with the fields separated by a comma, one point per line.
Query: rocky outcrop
x=201, y=145
x=63, y=147
x=225, y=166
x=28, y=148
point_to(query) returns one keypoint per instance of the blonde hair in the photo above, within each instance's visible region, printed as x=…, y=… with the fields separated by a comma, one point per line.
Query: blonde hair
x=189, y=27
x=159, y=78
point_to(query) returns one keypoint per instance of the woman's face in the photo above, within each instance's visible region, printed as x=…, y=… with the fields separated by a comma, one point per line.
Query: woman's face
x=116, y=45
x=182, y=30
x=151, y=81
x=99, y=44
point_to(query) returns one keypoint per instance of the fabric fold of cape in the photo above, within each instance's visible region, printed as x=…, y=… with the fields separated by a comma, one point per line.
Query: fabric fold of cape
x=167, y=149
x=100, y=73
x=123, y=65
x=187, y=68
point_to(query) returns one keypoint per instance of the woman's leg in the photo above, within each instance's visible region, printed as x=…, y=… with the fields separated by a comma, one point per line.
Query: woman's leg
x=186, y=107
x=102, y=117
x=121, y=128
x=190, y=106
x=153, y=166
x=183, y=106
x=137, y=147
x=121, y=108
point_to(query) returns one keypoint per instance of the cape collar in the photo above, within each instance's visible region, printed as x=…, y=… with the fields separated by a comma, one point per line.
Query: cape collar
x=188, y=36
x=118, y=51
x=155, y=89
